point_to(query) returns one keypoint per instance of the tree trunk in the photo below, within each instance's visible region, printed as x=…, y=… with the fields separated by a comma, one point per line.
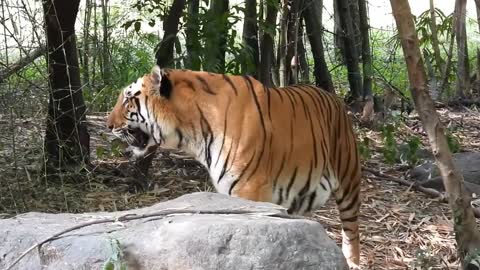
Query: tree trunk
x=67, y=142
x=266, y=45
x=292, y=41
x=463, y=71
x=366, y=54
x=178, y=53
x=477, y=4
x=192, y=42
x=282, y=45
x=348, y=36
x=106, y=72
x=312, y=14
x=302, y=57
x=86, y=42
x=164, y=54
x=356, y=23
x=95, y=46
x=338, y=32
x=250, y=35
x=435, y=43
x=367, y=113
x=216, y=42
x=465, y=227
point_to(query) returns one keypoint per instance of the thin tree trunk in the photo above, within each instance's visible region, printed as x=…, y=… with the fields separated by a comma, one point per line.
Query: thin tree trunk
x=266, y=45
x=466, y=232
x=178, y=53
x=477, y=4
x=105, y=52
x=313, y=24
x=354, y=77
x=95, y=44
x=192, y=42
x=250, y=35
x=67, y=142
x=282, y=45
x=463, y=70
x=164, y=54
x=356, y=23
x=435, y=43
x=292, y=41
x=366, y=54
x=338, y=32
x=302, y=57
x=86, y=42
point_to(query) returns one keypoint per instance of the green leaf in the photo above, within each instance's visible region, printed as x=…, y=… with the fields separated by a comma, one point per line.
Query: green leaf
x=109, y=265
x=100, y=151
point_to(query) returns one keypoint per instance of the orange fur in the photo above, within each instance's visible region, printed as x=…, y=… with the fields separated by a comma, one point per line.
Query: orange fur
x=292, y=146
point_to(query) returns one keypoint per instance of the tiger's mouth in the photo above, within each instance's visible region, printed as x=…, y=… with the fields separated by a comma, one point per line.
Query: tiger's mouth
x=138, y=138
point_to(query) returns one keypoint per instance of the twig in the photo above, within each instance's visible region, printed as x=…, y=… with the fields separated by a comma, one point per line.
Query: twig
x=429, y=191
x=164, y=212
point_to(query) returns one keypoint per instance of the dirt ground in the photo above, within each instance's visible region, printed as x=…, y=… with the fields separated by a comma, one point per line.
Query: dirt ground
x=401, y=228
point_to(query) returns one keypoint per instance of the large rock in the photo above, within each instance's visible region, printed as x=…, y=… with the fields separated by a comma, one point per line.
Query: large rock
x=256, y=236
x=468, y=163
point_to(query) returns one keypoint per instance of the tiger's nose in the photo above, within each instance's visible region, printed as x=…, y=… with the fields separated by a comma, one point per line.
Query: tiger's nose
x=110, y=126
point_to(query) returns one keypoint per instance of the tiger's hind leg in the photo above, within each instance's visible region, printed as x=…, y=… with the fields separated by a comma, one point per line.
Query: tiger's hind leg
x=348, y=203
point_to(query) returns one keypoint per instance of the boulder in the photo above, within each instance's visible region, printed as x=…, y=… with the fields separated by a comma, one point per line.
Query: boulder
x=195, y=231
x=468, y=163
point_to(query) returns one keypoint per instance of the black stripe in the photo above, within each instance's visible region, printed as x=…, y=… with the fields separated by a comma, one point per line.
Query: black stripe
x=350, y=205
x=280, y=199
x=225, y=118
x=207, y=137
x=291, y=103
x=226, y=78
x=278, y=92
x=262, y=121
x=314, y=138
x=292, y=179
x=282, y=164
x=137, y=102
x=153, y=133
x=180, y=137
x=323, y=186
x=205, y=85
x=243, y=172
x=224, y=169
x=146, y=108
x=311, y=200
x=328, y=181
x=350, y=219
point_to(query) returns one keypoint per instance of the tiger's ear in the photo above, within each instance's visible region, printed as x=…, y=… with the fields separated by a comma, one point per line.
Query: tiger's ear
x=160, y=82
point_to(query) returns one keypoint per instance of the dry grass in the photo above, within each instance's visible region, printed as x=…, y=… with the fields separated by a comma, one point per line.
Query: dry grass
x=401, y=229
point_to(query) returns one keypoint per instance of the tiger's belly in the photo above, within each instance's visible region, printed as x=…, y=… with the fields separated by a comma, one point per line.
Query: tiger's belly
x=302, y=197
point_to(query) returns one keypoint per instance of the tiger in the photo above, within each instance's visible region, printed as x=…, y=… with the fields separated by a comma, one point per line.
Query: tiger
x=293, y=146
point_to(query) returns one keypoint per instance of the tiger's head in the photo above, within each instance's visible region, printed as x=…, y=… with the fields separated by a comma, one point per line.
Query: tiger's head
x=142, y=115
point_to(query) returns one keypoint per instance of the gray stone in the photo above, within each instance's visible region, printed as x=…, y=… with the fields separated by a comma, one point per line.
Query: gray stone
x=263, y=236
x=468, y=163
